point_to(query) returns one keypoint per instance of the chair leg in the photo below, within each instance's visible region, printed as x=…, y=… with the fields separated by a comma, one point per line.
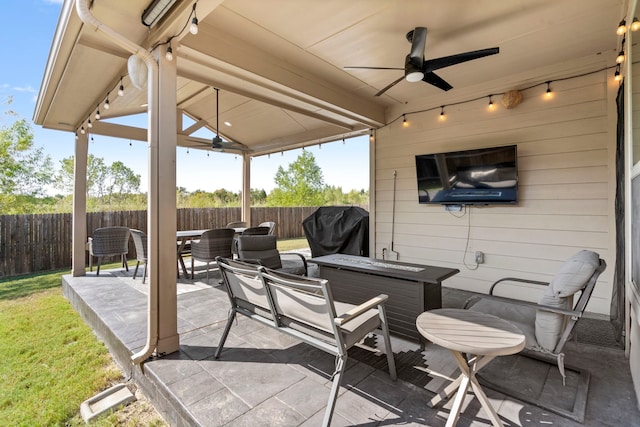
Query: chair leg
x=98, y=269
x=125, y=264
x=90, y=262
x=144, y=275
x=191, y=267
x=387, y=342
x=208, y=273
x=341, y=365
x=227, y=328
x=136, y=270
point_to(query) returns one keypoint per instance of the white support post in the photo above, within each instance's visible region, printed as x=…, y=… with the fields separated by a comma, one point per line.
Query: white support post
x=246, y=189
x=162, y=203
x=79, y=233
x=372, y=196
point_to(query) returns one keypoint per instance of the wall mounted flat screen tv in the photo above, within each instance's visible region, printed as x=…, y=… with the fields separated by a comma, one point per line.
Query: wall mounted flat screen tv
x=483, y=176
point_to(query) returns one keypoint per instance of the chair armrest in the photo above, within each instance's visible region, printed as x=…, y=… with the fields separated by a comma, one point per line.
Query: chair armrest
x=515, y=279
x=537, y=306
x=304, y=260
x=356, y=311
x=250, y=261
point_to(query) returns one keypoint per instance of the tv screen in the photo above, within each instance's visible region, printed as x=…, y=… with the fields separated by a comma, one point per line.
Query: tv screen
x=472, y=177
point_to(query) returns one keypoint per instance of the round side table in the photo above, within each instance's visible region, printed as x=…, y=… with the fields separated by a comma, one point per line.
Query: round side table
x=482, y=337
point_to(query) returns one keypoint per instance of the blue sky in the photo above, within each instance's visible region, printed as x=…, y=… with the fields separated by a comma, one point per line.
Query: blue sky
x=26, y=30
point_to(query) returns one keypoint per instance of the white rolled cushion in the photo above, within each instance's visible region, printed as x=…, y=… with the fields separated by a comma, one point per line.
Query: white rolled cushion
x=549, y=326
x=571, y=277
x=574, y=273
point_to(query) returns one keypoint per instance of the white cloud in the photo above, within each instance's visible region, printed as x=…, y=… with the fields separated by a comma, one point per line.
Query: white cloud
x=28, y=89
x=6, y=87
x=54, y=1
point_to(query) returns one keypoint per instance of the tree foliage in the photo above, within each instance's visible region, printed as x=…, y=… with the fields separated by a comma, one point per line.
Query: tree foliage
x=24, y=169
x=103, y=181
x=301, y=184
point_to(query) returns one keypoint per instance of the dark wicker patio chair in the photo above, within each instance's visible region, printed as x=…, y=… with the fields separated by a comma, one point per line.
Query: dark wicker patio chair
x=237, y=224
x=109, y=241
x=271, y=225
x=263, y=250
x=140, y=242
x=213, y=243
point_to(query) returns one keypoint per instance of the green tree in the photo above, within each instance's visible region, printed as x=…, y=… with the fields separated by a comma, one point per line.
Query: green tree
x=24, y=170
x=258, y=197
x=302, y=184
x=123, y=180
x=224, y=197
x=106, y=182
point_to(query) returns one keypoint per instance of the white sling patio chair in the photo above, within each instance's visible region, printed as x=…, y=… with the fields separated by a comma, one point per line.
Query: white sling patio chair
x=304, y=308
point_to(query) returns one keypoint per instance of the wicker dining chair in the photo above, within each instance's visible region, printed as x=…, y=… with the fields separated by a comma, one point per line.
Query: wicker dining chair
x=271, y=225
x=213, y=243
x=237, y=224
x=140, y=242
x=108, y=241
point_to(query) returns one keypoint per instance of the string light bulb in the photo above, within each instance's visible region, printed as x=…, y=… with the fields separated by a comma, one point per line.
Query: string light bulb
x=620, y=58
x=442, y=117
x=492, y=106
x=405, y=123
x=549, y=93
x=371, y=138
x=106, y=103
x=97, y=116
x=169, y=54
x=193, y=28
x=89, y=124
x=622, y=28
x=635, y=25
x=616, y=76
x=121, y=88
x=82, y=131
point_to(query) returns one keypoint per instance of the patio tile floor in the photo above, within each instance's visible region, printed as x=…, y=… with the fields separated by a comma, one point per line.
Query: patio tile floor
x=267, y=378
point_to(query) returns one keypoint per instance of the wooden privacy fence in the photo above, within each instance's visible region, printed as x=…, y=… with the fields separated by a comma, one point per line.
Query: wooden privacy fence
x=33, y=243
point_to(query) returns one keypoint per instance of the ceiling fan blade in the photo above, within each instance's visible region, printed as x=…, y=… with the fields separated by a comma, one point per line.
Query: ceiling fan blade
x=447, y=61
x=371, y=68
x=389, y=86
x=436, y=81
x=418, y=42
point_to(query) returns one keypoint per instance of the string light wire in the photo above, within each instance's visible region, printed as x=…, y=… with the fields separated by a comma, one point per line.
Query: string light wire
x=544, y=83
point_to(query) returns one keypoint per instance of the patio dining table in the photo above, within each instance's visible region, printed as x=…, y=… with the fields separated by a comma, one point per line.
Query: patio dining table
x=185, y=236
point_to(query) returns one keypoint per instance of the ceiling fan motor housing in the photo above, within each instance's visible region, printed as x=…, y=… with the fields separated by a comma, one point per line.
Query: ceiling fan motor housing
x=412, y=69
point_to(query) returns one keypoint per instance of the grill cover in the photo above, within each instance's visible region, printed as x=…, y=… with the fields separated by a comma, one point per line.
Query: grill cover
x=338, y=229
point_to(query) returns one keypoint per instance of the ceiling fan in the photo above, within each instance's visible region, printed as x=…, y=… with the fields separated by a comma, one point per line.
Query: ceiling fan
x=219, y=144
x=417, y=68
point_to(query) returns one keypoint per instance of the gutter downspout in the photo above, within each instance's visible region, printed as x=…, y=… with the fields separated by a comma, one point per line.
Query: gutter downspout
x=82, y=7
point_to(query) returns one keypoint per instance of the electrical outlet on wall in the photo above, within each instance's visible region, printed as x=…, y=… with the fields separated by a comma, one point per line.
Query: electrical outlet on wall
x=479, y=257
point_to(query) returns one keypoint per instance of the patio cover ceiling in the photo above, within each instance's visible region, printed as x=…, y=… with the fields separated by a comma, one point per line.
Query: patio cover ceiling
x=279, y=63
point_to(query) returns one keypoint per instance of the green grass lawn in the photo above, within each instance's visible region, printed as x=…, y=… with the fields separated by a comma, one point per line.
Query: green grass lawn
x=292, y=244
x=51, y=360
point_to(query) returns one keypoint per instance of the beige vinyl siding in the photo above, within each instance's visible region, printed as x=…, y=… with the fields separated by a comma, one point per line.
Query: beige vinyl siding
x=565, y=179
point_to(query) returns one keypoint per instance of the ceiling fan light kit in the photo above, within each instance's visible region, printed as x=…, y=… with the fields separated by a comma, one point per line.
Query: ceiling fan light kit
x=417, y=68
